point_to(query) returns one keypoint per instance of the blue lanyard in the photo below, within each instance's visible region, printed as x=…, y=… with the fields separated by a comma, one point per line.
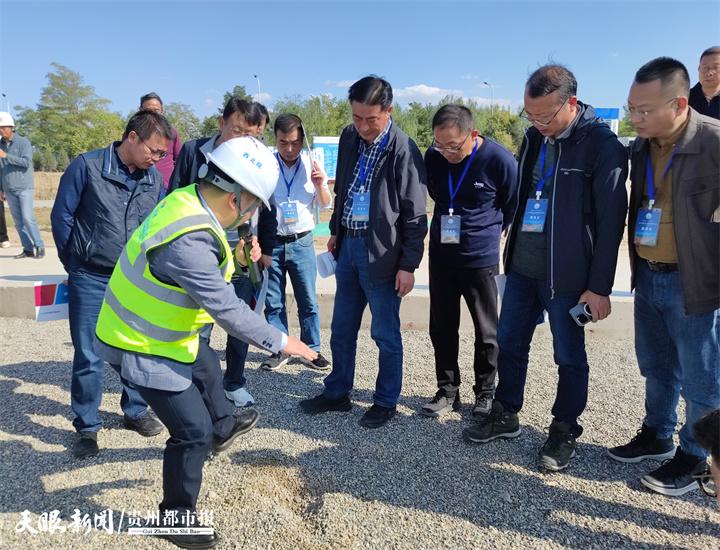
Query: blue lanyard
x=543, y=178
x=451, y=188
x=651, y=177
x=363, y=172
x=288, y=184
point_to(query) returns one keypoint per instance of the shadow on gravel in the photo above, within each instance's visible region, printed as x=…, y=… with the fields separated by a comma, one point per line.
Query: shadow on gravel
x=423, y=464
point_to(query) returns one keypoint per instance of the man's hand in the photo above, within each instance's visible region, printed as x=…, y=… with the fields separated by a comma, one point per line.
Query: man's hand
x=404, y=282
x=296, y=347
x=3, y=154
x=265, y=261
x=331, y=244
x=2, y=196
x=255, y=251
x=317, y=176
x=599, y=305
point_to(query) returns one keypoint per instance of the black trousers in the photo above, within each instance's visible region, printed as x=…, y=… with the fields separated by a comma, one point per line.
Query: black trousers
x=193, y=417
x=478, y=288
x=3, y=225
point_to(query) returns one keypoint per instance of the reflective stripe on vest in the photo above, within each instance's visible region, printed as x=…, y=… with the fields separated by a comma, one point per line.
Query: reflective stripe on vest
x=141, y=313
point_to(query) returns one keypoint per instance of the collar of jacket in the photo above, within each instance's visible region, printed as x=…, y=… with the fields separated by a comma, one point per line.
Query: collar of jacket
x=111, y=168
x=355, y=141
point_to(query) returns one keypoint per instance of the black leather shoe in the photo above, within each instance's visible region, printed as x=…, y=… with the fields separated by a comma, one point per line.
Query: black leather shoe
x=86, y=445
x=377, y=416
x=25, y=254
x=194, y=541
x=245, y=421
x=146, y=426
x=39, y=253
x=321, y=404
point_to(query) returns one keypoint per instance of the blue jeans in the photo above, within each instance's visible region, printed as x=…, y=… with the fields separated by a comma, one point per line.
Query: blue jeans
x=523, y=302
x=85, y=296
x=354, y=291
x=21, y=209
x=296, y=259
x=678, y=354
x=235, y=349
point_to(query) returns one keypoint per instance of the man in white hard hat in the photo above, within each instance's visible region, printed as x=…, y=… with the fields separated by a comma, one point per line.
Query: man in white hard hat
x=16, y=186
x=172, y=279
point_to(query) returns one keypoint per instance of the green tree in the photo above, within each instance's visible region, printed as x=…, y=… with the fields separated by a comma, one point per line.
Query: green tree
x=184, y=120
x=626, y=128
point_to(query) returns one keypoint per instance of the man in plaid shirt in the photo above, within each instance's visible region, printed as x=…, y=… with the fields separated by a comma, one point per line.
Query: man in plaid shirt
x=378, y=227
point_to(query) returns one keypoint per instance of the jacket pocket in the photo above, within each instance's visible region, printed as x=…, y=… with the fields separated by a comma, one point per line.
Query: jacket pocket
x=704, y=199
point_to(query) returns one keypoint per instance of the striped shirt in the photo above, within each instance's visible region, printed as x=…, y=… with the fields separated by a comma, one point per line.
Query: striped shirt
x=370, y=154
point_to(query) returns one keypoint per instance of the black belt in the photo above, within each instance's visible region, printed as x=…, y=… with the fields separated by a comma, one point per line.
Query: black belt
x=291, y=238
x=356, y=232
x=661, y=267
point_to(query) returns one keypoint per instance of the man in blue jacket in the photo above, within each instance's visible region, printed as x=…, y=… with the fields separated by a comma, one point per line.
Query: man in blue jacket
x=561, y=251
x=378, y=227
x=104, y=195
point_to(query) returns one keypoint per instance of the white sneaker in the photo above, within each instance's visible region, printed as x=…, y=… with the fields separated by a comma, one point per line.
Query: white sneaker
x=5, y=244
x=241, y=397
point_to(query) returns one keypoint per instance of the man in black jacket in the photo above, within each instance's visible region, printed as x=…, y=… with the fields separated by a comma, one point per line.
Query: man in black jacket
x=561, y=251
x=705, y=95
x=675, y=262
x=240, y=118
x=378, y=227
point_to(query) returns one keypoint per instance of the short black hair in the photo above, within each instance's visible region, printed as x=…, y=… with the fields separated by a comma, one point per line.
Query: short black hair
x=707, y=433
x=550, y=78
x=145, y=123
x=372, y=90
x=262, y=113
x=287, y=122
x=715, y=50
x=250, y=113
x=454, y=115
x=668, y=71
x=148, y=97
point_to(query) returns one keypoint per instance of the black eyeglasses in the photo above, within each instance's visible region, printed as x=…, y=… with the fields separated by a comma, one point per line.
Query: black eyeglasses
x=536, y=122
x=634, y=111
x=452, y=149
x=155, y=153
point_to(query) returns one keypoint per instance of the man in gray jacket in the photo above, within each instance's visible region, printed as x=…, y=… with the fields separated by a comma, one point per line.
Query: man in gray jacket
x=16, y=186
x=378, y=227
x=674, y=239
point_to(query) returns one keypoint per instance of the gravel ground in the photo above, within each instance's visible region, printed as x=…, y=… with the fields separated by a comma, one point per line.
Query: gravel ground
x=297, y=482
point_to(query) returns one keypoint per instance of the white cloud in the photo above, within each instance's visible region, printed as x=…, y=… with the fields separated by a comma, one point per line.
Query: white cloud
x=262, y=97
x=339, y=83
x=210, y=103
x=423, y=93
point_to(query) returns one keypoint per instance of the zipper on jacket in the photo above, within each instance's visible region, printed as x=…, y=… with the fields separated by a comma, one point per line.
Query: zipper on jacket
x=552, y=226
x=520, y=177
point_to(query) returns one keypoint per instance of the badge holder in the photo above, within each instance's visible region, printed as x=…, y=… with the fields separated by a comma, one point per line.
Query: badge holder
x=361, y=206
x=535, y=214
x=647, y=225
x=290, y=212
x=450, y=229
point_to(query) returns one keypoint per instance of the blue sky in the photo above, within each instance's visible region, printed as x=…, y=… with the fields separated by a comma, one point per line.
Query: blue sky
x=192, y=52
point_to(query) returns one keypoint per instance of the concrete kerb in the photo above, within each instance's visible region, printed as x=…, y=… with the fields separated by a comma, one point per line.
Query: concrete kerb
x=17, y=279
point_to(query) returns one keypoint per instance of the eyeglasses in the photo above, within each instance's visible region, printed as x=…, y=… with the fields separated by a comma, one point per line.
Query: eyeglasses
x=706, y=483
x=450, y=149
x=155, y=153
x=633, y=111
x=536, y=122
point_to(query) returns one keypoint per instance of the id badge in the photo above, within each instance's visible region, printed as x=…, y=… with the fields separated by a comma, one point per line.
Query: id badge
x=534, y=218
x=361, y=207
x=647, y=226
x=450, y=229
x=289, y=212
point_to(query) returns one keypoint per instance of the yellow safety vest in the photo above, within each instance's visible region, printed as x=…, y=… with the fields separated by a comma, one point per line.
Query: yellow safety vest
x=141, y=313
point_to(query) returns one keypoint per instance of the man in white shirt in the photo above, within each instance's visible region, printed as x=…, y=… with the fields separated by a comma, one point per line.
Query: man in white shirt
x=301, y=186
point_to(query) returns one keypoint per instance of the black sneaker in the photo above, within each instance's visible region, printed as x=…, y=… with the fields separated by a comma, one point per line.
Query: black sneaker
x=146, y=426
x=197, y=541
x=377, y=416
x=320, y=363
x=497, y=425
x=445, y=400
x=245, y=420
x=322, y=404
x=275, y=361
x=25, y=254
x=86, y=445
x=483, y=404
x=675, y=476
x=39, y=253
x=644, y=445
x=559, y=448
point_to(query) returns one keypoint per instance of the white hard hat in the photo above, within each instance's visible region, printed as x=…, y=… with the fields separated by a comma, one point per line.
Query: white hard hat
x=6, y=119
x=250, y=164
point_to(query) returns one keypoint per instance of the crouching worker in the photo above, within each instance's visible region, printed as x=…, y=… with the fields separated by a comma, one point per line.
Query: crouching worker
x=173, y=278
